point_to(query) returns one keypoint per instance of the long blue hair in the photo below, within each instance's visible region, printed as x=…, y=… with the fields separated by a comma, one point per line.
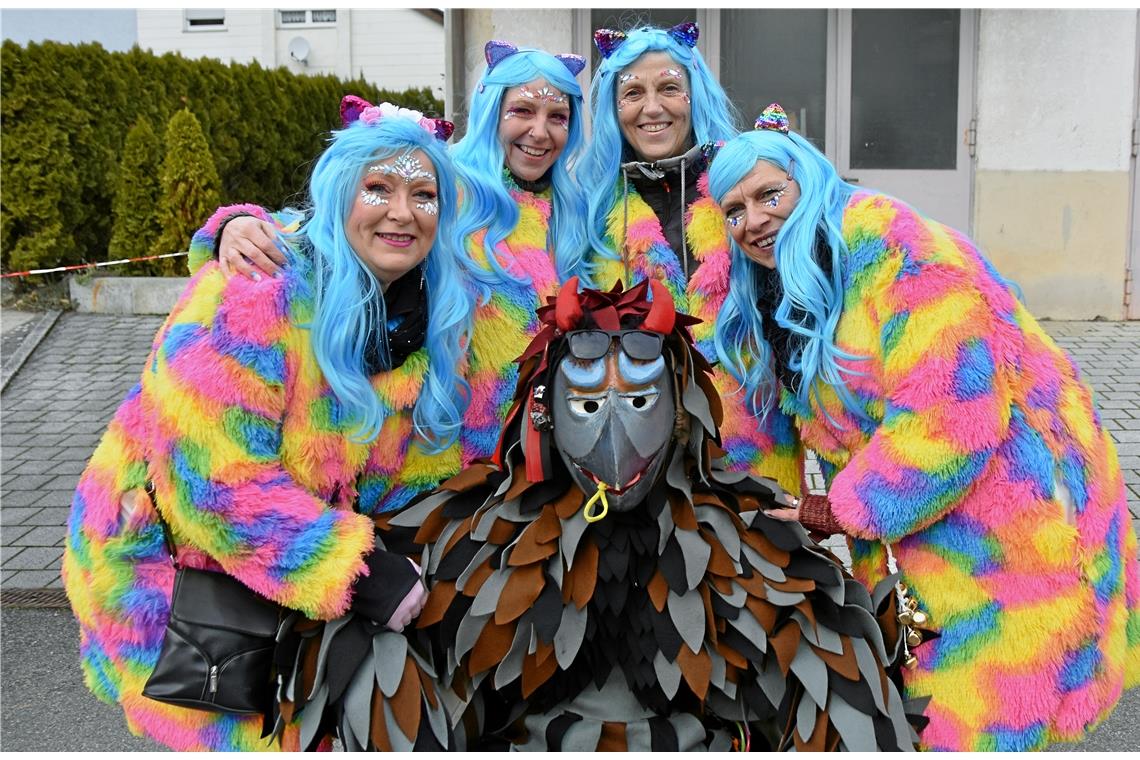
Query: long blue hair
x=487, y=204
x=713, y=117
x=349, y=305
x=812, y=298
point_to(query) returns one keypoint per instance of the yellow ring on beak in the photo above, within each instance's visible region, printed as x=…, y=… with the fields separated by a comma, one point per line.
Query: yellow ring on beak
x=599, y=496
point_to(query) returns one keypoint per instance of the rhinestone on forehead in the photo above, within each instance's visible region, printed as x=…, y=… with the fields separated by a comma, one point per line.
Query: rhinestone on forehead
x=627, y=78
x=544, y=94
x=407, y=167
x=672, y=73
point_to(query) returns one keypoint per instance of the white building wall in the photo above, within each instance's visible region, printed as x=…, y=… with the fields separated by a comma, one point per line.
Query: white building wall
x=395, y=49
x=247, y=36
x=398, y=49
x=550, y=29
x=1056, y=92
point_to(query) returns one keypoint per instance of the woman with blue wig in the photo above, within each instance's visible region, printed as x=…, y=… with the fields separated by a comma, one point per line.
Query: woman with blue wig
x=275, y=417
x=658, y=115
x=522, y=218
x=955, y=437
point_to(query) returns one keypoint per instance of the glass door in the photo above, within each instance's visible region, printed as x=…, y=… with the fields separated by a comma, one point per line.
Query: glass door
x=905, y=101
x=778, y=56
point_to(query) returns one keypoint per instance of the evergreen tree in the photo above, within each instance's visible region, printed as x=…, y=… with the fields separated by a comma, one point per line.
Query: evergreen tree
x=190, y=187
x=137, y=195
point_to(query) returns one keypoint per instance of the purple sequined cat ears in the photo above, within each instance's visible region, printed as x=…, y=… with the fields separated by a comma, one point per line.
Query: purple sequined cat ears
x=353, y=108
x=609, y=40
x=497, y=50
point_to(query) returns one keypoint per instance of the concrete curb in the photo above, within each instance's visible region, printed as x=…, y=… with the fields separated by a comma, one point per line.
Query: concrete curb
x=38, y=332
x=126, y=295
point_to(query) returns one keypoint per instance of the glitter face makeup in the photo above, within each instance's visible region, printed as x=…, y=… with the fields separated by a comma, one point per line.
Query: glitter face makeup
x=545, y=94
x=392, y=224
x=757, y=208
x=372, y=198
x=777, y=194
x=654, y=107
x=407, y=167
x=533, y=128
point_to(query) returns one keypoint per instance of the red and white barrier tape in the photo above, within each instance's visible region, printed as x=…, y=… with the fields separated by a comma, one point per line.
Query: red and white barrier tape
x=74, y=267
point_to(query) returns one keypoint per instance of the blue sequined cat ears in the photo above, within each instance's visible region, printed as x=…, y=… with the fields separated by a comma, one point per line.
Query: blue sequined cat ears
x=609, y=40
x=496, y=50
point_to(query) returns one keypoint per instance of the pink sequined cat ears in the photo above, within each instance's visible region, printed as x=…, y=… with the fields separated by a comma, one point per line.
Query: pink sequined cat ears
x=497, y=50
x=354, y=109
x=609, y=40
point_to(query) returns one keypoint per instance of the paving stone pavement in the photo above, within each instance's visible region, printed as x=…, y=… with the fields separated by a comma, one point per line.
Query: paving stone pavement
x=55, y=409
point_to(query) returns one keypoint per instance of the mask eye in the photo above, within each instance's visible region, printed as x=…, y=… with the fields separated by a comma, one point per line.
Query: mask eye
x=585, y=406
x=641, y=402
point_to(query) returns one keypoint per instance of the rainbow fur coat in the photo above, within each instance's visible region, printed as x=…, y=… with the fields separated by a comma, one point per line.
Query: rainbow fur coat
x=769, y=452
x=978, y=425
x=505, y=320
x=254, y=471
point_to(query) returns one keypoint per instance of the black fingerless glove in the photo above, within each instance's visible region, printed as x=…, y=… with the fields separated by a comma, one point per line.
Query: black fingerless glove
x=390, y=578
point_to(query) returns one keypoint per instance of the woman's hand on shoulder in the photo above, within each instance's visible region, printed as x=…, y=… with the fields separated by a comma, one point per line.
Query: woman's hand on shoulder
x=251, y=247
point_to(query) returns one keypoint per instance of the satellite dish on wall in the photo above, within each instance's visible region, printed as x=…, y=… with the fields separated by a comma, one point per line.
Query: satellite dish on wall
x=299, y=50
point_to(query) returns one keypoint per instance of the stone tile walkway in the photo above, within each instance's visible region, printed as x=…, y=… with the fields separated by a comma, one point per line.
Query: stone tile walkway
x=56, y=407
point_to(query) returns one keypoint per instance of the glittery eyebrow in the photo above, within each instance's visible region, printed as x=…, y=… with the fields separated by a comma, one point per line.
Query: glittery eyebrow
x=627, y=78
x=671, y=73
x=545, y=94
x=406, y=167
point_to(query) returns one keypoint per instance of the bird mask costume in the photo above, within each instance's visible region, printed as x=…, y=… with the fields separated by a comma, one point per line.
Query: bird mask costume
x=604, y=585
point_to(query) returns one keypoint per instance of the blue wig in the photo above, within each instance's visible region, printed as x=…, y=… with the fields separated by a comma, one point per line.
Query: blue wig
x=812, y=298
x=349, y=309
x=713, y=118
x=479, y=155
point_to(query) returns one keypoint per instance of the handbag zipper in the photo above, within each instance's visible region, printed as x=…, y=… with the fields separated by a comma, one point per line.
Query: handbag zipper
x=213, y=679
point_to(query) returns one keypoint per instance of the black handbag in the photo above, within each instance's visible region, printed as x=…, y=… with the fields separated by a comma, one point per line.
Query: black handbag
x=217, y=652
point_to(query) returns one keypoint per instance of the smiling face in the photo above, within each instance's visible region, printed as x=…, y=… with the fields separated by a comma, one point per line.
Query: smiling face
x=654, y=107
x=534, y=122
x=394, y=218
x=757, y=208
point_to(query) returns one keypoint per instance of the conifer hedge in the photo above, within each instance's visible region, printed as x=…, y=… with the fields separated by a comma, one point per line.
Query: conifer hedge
x=66, y=111
x=137, y=194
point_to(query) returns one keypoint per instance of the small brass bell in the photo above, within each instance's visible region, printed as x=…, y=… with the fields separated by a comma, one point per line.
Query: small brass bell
x=911, y=662
x=912, y=603
x=913, y=638
x=919, y=617
x=905, y=617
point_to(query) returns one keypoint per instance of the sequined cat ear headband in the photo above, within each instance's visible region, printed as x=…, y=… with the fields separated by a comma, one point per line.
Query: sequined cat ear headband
x=609, y=40
x=497, y=50
x=354, y=109
x=773, y=118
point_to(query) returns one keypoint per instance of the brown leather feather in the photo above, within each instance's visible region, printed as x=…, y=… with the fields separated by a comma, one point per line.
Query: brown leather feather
x=406, y=702
x=522, y=588
x=491, y=647
x=439, y=599
x=697, y=669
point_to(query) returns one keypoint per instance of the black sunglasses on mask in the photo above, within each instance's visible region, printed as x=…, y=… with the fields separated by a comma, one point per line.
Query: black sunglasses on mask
x=640, y=345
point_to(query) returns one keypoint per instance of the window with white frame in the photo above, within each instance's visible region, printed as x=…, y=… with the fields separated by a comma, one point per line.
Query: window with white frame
x=306, y=18
x=204, y=19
